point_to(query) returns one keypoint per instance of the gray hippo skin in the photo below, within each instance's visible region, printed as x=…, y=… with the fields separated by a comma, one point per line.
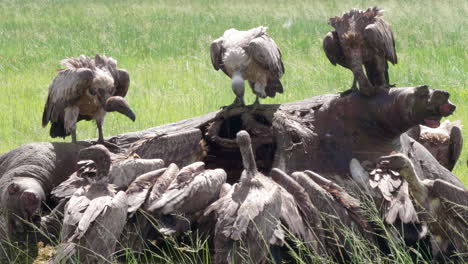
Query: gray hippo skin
x=27, y=175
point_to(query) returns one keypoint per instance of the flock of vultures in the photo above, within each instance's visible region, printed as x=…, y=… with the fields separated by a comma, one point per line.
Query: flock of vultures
x=99, y=199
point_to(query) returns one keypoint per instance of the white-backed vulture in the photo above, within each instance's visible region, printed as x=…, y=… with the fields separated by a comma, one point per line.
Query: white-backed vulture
x=445, y=204
x=444, y=142
x=250, y=55
x=362, y=38
x=248, y=216
x=85, y=90
x=94, y=216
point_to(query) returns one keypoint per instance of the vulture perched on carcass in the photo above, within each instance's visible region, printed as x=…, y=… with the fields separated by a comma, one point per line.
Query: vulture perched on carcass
x=95, y=215
x=248, y=215
x=86, y=89
x=446, y=207
x=362, y=38
x=249, y=55
x=444, y=142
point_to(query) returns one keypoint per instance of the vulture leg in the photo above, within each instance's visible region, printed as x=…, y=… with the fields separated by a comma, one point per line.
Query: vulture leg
x=257, y=100
x=73, y=135
x=110, y=146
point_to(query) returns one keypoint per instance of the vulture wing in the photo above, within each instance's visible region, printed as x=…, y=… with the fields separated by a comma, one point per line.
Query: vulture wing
x=379, y=35
x=332, y=48
x=139, y=189
x=456, y=144
x=195, y=196
x=67, y=188
x=217, y=51
x=122, y=82
x=67, y=87
x=95, y=208
x=450, y=192
x=161, y=185
x=265, y=52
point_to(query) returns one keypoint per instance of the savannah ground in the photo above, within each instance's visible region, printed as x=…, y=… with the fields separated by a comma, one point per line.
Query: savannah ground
x=165, y=47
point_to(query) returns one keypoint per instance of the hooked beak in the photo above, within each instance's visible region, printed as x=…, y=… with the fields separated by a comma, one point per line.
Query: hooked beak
x=119, y=104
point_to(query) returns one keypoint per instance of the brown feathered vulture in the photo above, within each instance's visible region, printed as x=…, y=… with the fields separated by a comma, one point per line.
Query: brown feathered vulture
x=94, y=216
x=85, y=90
x=362, y=38
x=445, y=142
x=250, y=55
x=248, y=215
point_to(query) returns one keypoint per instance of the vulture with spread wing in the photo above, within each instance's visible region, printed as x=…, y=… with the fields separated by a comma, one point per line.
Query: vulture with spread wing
x=86, y=89
x=362, y=38
x=249, y=55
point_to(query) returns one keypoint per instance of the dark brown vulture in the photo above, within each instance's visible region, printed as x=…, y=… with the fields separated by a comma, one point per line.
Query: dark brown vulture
x=249, y=55
x=86, y=89
x=446, y=206
x=94, y=216
x=444, y=142
x=362, y=38
x=248, y=216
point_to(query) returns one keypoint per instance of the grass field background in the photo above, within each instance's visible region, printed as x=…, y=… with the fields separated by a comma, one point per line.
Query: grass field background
x=165, y=47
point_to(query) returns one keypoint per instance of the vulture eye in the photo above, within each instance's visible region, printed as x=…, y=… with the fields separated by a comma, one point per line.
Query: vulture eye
x=92, y=91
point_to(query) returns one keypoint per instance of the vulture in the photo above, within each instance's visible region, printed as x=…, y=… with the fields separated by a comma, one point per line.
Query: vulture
x=250, y=55
x=192, y=190
x=248, y=215
x=86, y=89
x=389, y=185
x=94, y=216
x=444, y=142
x=362, y=38
x=446, y=206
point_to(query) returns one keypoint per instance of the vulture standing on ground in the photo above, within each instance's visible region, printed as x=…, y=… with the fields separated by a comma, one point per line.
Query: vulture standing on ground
x=446, y=206
x=95, y=215
x=444, y=142
x=86, y=89
x=248, y=215
x=249, y=55
x=362, y=38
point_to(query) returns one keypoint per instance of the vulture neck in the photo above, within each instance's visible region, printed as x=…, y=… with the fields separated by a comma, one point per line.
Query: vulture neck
x=248, y=160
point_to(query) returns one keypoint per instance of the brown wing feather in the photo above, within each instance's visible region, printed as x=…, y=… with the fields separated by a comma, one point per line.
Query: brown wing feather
x=456, y=144
x=266, y=53
x=450, y=192
x=122, y=82
x=67, y=87
x=216, y=51
x=379, y=35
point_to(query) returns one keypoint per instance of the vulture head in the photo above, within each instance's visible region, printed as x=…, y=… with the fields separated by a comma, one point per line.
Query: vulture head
x=100, y=155
x=119, y=104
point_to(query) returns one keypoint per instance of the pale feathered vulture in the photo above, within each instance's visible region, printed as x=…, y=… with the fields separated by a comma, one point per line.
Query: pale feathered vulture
x=94, y=216
x=444, y=142
x=388, y=184
x=248, y=216
x=362, y=38
x=446, y=206
x=85, y=90
x=250, y=55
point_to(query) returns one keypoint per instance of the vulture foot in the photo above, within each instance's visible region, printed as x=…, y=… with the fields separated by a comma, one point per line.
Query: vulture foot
x=238, y=102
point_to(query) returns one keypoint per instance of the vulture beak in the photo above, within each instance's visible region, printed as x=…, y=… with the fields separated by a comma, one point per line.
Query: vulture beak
x=119, y=104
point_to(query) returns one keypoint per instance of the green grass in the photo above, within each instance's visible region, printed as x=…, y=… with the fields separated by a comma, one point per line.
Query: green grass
x=165, y=47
